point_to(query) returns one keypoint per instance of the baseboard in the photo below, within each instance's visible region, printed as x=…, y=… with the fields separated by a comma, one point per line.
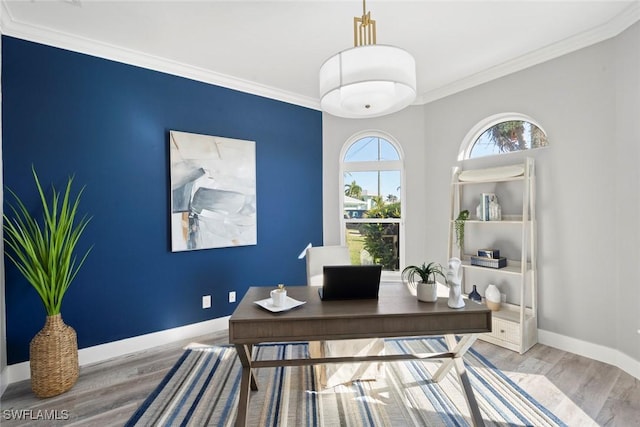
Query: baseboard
x=99, y=353
x=102, y=352
x=3, y=380
x=593, y=351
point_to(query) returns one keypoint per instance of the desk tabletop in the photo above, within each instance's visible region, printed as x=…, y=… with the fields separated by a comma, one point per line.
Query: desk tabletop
x=395, y=313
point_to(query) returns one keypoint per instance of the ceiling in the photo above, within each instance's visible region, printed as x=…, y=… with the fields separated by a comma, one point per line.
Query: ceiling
x=275, y=48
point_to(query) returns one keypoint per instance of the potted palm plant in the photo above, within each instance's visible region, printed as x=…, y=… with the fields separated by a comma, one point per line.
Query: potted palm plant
x=43, y=251
x=424, y=277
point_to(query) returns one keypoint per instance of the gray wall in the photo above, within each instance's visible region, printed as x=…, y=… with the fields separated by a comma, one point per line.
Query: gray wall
x=588, y=249
x=587, y=181
x=627, y=141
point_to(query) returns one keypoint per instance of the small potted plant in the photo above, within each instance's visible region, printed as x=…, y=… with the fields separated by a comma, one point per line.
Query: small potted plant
x=424, y=277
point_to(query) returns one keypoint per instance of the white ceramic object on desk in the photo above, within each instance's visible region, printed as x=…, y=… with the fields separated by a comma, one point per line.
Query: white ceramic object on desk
x=279, y=296
x=454, y=280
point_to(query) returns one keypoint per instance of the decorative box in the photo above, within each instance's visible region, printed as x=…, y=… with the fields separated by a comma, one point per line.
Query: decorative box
x=489, y=253
x=489, y=262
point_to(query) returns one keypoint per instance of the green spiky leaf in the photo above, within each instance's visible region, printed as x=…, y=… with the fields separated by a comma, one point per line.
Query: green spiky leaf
x=44, y=251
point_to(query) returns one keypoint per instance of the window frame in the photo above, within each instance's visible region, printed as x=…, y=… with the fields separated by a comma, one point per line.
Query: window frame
x=372, y=166
x=482, y=126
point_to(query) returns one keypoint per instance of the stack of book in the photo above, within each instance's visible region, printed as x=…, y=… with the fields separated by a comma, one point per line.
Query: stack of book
x=489, y=258
x=489, y=209
x=485, y=204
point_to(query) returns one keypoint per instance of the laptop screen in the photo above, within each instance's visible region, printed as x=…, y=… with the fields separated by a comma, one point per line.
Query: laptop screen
x=350, y=282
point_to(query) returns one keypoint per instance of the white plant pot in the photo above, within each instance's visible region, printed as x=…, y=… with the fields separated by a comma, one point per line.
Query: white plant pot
x=427, y=292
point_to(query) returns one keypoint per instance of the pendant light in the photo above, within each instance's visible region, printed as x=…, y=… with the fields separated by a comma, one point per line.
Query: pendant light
x=368, y=80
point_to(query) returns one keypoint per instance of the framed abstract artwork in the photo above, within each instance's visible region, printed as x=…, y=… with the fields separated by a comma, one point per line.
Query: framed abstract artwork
x=213, y=192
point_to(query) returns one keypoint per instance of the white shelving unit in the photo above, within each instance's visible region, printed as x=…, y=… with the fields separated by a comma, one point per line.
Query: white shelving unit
x=515, y=325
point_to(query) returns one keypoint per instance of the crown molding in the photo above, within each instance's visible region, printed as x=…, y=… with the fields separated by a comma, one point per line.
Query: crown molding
x=610, y=29
x=4, y=12
x=11, y=27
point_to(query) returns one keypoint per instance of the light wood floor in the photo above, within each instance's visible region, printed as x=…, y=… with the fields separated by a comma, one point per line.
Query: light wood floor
x=580, y=391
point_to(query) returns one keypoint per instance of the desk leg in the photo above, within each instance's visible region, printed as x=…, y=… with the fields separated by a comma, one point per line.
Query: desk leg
x=459, y=349
x=247, y=380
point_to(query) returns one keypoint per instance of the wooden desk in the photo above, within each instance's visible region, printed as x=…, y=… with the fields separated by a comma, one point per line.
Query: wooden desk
x=396, y=313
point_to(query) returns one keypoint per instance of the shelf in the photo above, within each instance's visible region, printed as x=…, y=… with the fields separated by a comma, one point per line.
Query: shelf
x=511, y=313
x=504, y=221
x=510, y=219
x=513, y=326
x=513, y=267
x=488, y=181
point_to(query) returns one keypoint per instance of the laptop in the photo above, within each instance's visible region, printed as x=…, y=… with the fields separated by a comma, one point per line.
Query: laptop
x=342, y=282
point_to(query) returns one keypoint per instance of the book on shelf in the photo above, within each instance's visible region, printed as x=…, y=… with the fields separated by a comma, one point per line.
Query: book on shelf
x=488, y=262
x=485, y=204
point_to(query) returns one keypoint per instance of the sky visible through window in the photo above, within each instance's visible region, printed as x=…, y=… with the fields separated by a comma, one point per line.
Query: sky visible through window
x=371, y=149
x=389, y=182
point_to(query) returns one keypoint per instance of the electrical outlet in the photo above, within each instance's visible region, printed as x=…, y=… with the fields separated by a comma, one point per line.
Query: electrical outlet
x=232, y=296
x=206, y=301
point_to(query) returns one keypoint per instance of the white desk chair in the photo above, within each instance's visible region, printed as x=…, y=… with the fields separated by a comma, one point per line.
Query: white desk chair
x=331, y=375
x=319, y=256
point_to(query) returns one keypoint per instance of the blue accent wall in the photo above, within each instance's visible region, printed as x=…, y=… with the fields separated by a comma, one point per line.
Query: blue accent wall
x=108, y=123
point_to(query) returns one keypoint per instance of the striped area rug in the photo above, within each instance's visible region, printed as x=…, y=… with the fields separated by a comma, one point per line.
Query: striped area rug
x=202, y=390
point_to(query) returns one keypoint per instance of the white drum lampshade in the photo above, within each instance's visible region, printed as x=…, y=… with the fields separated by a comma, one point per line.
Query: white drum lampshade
x=367, y=81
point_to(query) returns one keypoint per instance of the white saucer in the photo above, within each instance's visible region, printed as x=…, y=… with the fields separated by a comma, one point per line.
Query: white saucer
x=289, y=303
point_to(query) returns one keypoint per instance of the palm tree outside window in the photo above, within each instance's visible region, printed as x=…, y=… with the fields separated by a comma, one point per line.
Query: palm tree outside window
x=502, y=134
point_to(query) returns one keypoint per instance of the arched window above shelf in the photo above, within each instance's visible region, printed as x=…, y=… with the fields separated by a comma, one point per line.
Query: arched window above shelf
x=502, y=134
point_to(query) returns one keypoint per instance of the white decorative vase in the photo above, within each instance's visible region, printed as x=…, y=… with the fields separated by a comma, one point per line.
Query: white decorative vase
x=454, y=280
x=495, y=211
x=427, y=292
x=492, y=297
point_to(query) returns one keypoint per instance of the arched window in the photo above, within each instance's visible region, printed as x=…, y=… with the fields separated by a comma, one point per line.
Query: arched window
x=371, y=179
x=502, y=133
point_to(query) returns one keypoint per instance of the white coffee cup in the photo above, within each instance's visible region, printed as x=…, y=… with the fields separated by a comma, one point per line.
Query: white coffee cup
x=278, y=297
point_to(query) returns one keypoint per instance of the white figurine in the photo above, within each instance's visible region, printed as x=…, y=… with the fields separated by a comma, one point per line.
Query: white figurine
x=454, y=280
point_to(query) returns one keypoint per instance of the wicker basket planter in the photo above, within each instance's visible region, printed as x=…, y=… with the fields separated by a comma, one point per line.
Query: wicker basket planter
x=53, y=358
